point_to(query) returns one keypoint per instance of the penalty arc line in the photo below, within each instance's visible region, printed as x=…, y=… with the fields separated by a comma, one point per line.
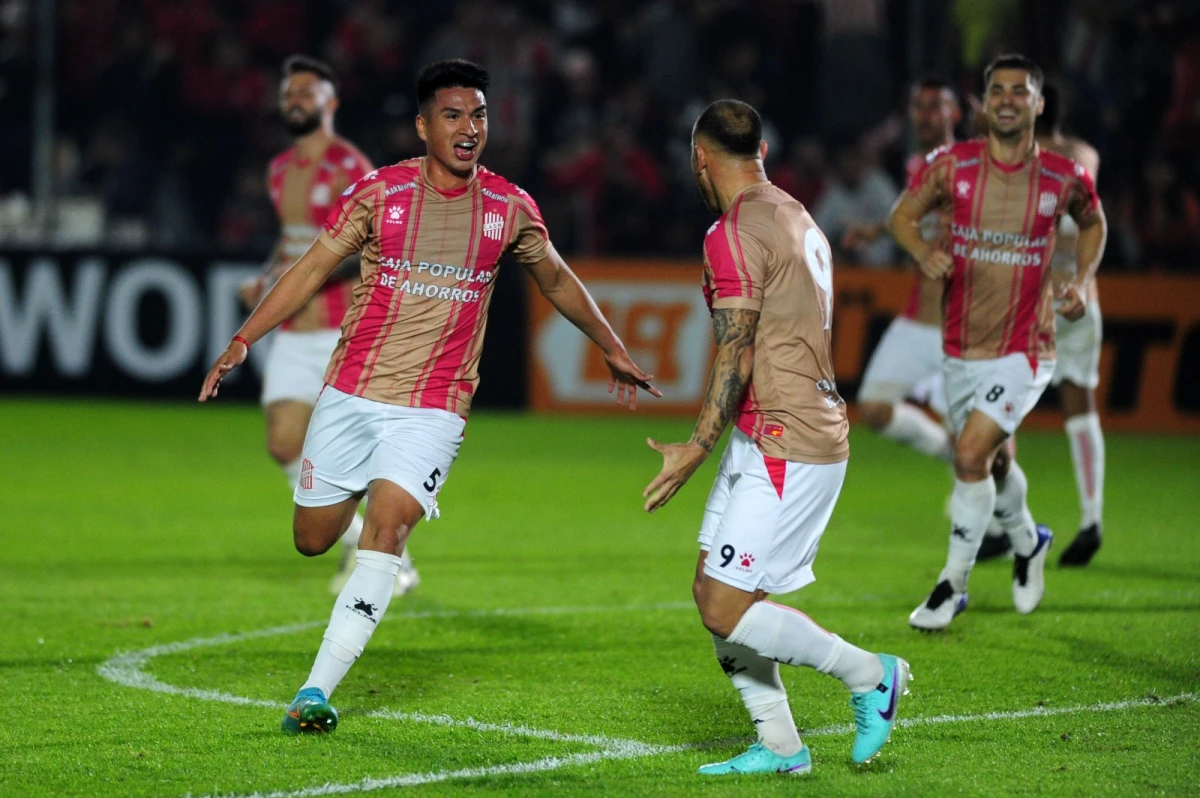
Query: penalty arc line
x=127, y=669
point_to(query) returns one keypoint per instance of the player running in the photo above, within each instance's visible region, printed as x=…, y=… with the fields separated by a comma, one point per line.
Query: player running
x=1004, y=196
x=910, y=352
x=768, y=281
x=398, y=388
x=304, y=181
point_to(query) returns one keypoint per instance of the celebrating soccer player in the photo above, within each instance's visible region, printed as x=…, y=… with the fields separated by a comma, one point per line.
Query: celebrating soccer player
x=910, y=351
x=768, y=281
x=304, y=181
x=390, y=418
x=1004, y=196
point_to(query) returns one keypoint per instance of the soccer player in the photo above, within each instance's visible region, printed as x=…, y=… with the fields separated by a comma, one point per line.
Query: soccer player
x=769, y=285
x=910, y=351
x=390, y=418
x=1004, y=195
x=1078, y=342
x=304, y=181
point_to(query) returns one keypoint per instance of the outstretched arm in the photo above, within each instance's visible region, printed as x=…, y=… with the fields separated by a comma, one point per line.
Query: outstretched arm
x=566, y=293
x=735, y=330
x=286, y=297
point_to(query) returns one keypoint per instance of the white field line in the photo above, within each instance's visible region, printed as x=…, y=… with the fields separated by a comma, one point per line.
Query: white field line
x=1018, y=714
x=127, y=669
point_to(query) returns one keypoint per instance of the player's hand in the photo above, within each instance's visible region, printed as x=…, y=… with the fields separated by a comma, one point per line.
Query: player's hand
x=859, y=236
x=1072, y=301
x=234, y=355
x=680, y=461
x=936, y=264
x=252, y=291
x=627, y=377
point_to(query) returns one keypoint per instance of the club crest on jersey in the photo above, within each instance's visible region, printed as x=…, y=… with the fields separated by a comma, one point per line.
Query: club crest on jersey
x=1047, y=203
x=493, y=225
x=395, y=215
x=963, y=187
x=320, y=194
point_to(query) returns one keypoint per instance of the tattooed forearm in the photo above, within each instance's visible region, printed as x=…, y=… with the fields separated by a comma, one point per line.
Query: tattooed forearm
x=735, y=330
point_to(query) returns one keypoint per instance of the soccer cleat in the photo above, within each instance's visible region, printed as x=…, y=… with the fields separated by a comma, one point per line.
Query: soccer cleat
x=309, y=713
x=1029, y=577
x=875, y=710
x=937, y=611
x=760, y=759
x=993, y=546
x=407, y=578
x=1082, y=548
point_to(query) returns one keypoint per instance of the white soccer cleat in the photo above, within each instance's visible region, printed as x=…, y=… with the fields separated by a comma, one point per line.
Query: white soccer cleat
x=1029, y=573
x=936, y=612
x=407, y=578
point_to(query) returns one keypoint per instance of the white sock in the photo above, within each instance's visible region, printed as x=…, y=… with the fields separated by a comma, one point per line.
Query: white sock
x=971, y=506
x=1012, y=511
x=791, y=637
x=756, y=679
x=912, y=427
x=353, y=532
x=1087, y=455
x=356, y=613
x=292, y=472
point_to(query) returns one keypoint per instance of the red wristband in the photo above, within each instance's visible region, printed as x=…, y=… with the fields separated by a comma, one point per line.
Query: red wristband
x=243, y=341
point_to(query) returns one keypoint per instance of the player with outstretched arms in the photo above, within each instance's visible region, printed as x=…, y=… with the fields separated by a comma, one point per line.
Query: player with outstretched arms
x=1004, y=196
x=768, y=282
x=398, y=388
x=304, y=181
x=910, y=352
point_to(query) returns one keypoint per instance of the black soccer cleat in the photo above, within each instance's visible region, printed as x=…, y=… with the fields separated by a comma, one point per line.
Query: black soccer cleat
x=993, y=547
x=1082, y=548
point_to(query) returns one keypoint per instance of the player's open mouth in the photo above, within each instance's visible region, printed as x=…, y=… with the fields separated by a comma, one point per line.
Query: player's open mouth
x=465, y=150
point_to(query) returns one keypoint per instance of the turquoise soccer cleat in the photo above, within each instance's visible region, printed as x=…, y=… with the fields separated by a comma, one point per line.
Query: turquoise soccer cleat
x=310, y=713
x=760, y=759
x=875, y=710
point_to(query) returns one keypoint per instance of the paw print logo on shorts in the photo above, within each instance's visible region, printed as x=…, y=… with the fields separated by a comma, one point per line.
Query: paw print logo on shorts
x=745, y=561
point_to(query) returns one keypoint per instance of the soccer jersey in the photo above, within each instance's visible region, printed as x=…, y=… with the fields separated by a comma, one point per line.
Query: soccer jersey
x=303, y=192
x=924, y=304
x=766, y=253
x=414, y=332
x=998, y=297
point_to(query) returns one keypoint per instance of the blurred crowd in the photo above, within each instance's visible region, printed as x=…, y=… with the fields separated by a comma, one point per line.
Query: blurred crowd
x=165, y=109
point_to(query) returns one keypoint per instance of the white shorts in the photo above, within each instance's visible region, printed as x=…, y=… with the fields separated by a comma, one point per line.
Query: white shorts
x=296, y=363
x=1078, y=344
x=1005, y=389
x=908, y=354
x=352, y=441
x=765, y=517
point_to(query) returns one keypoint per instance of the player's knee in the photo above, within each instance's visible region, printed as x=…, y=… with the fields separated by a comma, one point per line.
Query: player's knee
x=1000, y=463
x=718, y=618
x=311, y=538
x=970, y=462
x=284, y=449
x=876, y=415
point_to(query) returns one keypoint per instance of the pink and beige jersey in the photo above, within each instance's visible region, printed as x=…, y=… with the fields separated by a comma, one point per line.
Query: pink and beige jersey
x=766, y=254
x=414, y=332
x=998, y=297
x=924, y=304
x=303, y=192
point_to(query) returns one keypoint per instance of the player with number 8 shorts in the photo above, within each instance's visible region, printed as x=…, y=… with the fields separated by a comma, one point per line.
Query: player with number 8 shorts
x=768, y=282
x=1004, y=197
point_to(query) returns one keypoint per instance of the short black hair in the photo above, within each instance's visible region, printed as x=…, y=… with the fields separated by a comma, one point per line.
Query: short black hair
x=1052, y=111
x=1015, y=61
x=306, y=63
x=933, y=80
x=732, y=125
x=456, y=73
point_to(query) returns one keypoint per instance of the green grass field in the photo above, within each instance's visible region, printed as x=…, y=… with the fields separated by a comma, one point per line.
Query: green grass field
x=552, y=645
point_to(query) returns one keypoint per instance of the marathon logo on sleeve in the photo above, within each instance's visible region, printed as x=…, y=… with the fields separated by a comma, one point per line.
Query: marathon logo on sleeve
x=498, y=197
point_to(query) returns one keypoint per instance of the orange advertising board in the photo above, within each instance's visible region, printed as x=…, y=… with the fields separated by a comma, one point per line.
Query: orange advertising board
x=1149, y=364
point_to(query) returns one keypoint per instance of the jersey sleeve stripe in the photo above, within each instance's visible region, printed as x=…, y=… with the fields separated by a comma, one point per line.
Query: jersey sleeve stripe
x=744, y=271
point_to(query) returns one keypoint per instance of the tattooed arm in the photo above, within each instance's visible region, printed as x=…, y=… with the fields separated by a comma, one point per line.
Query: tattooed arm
x=735, y=329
